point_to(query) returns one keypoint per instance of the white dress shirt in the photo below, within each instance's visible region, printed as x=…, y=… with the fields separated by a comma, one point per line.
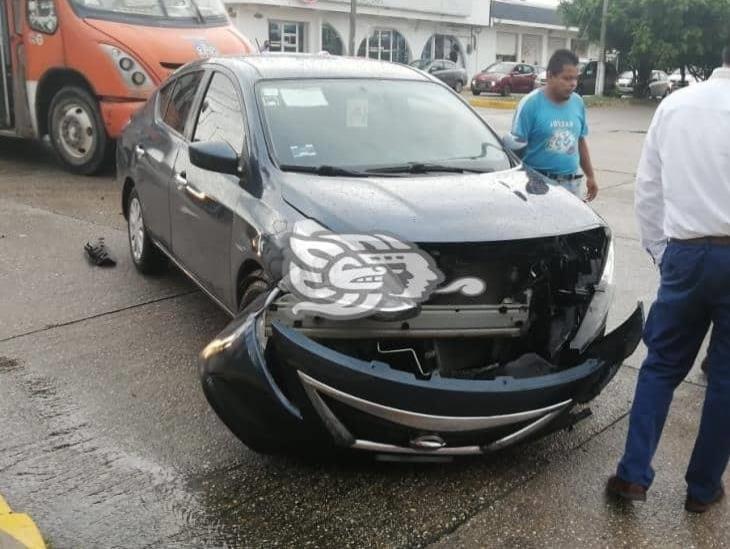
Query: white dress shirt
x=683, y=179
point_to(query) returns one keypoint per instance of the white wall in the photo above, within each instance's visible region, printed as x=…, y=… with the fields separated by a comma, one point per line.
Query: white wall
x=253, y=21
x=416, y=20
x=545, y=40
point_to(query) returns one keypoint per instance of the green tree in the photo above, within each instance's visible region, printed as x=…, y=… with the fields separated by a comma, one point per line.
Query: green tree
x=656, y=33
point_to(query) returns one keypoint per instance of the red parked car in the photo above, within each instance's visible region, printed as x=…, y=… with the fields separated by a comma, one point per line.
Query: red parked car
x=505, y=78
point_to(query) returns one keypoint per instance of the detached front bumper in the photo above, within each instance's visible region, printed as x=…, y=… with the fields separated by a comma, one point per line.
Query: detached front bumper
x=300, y=393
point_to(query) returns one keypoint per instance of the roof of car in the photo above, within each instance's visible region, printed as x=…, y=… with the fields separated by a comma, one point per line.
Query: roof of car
x=284, y=65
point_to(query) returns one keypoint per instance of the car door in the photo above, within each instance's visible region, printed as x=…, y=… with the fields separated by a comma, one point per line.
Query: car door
x=659, y=84
x=201, y=200
x=451, y=73
x=437, y=70
x=156, y=150
x=519, y=80
x=529, y=76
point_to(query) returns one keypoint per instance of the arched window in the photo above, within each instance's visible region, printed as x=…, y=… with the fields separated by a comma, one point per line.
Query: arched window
x=443, y=46
x=386, y=45
x=331, y=41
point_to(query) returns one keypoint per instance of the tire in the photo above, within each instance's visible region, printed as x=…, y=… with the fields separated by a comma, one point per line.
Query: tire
x=458, y=86
x=77, y=131
x=147, y=258
x=252, y=287
x=506, y=91
x=475, y=93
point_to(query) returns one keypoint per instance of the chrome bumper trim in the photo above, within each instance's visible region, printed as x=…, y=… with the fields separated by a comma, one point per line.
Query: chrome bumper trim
x=426, y=422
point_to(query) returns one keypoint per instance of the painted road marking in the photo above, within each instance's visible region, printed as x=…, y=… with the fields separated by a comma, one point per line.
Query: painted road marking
x=17, y=530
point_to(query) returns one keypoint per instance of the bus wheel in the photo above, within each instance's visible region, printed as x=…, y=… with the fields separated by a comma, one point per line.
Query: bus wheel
x=77, y=131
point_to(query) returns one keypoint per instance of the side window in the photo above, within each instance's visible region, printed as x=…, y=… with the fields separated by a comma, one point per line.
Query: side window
x=449, y=65
x=528, y=69
x=221, y=114
x=42, y=16
x=163, y=99
x=181, y=101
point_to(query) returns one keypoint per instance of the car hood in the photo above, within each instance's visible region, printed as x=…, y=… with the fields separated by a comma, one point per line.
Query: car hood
x=491, y=76
x=163, y=49
x=508, y=205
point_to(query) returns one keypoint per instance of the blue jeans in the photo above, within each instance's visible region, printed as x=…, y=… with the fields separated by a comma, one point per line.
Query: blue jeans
x=694, y=291
x=575, y=186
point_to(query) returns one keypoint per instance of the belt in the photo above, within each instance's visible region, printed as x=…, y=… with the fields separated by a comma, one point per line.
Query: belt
x=717, y=240
x=561, y=177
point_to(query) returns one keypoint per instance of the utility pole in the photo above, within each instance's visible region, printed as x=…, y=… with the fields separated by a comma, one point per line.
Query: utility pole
x=601, y=75
x=353, y=20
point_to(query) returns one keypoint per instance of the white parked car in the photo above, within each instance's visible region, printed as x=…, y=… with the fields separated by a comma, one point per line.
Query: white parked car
x=675, y=79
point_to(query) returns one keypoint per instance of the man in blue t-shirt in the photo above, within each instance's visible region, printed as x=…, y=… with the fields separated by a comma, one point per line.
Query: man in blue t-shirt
x=549, y=128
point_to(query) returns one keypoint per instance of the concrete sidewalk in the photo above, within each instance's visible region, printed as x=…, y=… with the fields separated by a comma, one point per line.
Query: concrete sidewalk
x=565, y=505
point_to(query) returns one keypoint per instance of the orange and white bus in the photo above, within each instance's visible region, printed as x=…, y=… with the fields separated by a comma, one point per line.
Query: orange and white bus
x=75, y=70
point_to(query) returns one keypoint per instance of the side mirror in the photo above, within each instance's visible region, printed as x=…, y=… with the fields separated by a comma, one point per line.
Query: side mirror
x=433, y=68
x=215, y=156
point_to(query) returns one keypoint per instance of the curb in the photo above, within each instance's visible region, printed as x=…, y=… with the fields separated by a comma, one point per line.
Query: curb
x=17, y=530
x=508, y=104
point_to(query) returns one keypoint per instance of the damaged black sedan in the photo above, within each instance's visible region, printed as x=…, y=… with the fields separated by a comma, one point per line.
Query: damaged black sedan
x=398, y=281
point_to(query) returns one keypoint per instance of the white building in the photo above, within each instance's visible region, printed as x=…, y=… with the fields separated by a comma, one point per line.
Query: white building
x=474, y=32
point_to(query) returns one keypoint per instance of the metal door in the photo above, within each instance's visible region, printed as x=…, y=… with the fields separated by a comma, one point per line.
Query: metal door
x=6, y=73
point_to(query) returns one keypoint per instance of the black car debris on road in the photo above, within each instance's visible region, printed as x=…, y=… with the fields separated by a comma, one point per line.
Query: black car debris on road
x=472, y=293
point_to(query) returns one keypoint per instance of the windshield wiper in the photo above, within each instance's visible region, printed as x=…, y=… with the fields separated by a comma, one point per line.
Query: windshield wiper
x=420, y=167
x=325, y=170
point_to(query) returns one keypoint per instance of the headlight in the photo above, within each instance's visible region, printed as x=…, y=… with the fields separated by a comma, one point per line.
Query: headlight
x=125, y=63
x=129, y=69
x=595, y=316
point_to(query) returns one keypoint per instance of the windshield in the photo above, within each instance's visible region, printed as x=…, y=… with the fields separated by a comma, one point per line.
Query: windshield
x=501, y=68
x=201, y=11
x=627, y=75
x=368, y=124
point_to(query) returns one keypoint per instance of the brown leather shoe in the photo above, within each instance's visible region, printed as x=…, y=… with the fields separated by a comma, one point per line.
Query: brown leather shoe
x=695, y=506
x=619, y=488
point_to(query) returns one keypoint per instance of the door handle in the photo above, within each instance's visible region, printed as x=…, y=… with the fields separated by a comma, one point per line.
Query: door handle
x=182, y=181
x=139, y=151
x=195, y=193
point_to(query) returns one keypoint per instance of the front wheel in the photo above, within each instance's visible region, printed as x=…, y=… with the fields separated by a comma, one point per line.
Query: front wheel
x=459, y=86
x=475, y=93
x=77, y=131
x=506, y=91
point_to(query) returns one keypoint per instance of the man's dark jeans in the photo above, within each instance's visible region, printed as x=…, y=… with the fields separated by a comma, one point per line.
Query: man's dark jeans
x=694, y=291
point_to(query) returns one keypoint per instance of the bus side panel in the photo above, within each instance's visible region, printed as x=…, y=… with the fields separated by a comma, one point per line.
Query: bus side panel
x=43, y=51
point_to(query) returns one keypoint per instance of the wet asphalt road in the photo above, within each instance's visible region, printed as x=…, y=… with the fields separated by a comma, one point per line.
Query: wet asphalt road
x=107, y=441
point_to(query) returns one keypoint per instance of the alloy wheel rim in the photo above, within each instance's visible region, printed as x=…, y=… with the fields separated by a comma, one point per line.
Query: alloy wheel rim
x=136, y=229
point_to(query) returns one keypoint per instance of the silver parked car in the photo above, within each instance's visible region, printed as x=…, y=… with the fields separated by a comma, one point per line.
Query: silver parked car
x=659, y=85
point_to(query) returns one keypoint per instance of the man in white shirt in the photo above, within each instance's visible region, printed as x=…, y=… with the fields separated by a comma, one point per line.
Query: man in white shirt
x=683, y=209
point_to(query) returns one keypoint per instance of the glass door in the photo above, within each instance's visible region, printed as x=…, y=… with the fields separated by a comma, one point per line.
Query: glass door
x=285, y=36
